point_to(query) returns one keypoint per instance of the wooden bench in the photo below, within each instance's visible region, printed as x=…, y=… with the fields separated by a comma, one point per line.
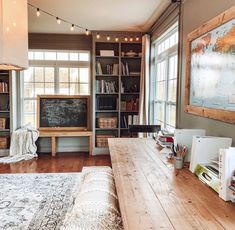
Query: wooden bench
x=152, y=196
x=54, y=134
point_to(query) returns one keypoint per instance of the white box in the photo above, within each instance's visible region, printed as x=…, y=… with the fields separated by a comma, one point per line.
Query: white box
x=107, y=53
x=184, y=137
x=206, y=148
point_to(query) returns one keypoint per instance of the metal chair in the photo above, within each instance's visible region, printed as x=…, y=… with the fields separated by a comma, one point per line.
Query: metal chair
x=143, y=129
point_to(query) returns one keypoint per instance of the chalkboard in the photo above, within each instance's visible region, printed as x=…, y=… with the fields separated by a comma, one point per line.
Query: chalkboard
x=65, y=112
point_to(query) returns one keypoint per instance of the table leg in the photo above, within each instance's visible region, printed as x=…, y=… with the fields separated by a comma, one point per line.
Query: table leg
x=90, y=146
x=53, y=146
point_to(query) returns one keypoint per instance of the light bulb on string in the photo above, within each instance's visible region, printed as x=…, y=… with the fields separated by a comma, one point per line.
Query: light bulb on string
x=98, y=36
x=116, y=39
x=126, y=39
x=131, y=39
x=87, y=32
x=38, y=12
x=72, y=27
x=137, y=39
x=108, y=37
x=58, y=20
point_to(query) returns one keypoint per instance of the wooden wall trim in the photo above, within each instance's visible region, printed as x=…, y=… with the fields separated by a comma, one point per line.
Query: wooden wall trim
x=60, y=41
x=217, y=114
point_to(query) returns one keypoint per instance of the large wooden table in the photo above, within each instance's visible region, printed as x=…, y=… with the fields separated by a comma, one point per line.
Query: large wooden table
x=152, y=196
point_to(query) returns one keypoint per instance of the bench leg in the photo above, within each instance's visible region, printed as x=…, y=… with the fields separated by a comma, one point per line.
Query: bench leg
x=53, y=146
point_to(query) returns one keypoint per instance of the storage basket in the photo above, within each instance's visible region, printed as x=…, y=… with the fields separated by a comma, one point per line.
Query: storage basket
x=107, y=122
x=2, y=123
x=102, y=140
x=4, y=142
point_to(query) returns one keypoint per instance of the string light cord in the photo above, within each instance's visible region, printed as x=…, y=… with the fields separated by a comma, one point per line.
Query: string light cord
x=56, y=17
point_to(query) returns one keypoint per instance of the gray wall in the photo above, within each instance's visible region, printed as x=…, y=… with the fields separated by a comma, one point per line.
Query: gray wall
x=195, y=13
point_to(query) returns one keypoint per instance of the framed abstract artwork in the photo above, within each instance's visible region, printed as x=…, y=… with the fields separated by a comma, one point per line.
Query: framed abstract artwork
x=210, y=71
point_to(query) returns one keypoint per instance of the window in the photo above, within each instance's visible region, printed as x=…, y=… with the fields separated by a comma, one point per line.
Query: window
x=164, y=64
x=53, y=72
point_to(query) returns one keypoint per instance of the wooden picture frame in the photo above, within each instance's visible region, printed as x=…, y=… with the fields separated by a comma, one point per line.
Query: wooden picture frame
x=39, y=97
x=200, y=33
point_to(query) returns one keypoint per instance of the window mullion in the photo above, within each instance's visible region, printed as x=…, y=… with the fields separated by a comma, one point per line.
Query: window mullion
x=56, y=84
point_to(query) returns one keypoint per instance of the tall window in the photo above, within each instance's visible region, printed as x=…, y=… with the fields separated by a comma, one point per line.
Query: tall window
x=54, y=72
x=164, y=78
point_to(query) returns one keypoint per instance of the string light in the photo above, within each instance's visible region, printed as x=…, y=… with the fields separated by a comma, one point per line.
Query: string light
x=116, y=39
x=72, y=27
x=59, y=19
x=87, y=32
x=126, y=39
x=131, y=39
x=108, y=37
x=38, y=12
x=137, y=38
x=98, y=36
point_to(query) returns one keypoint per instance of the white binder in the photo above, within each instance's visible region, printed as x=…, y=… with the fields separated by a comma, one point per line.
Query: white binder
x=226, y=169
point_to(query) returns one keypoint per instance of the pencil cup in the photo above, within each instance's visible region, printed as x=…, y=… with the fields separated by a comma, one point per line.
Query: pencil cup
x=178, y=162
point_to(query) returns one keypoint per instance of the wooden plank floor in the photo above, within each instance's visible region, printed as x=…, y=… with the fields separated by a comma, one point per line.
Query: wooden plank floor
x=63, y=162
x=153, y=196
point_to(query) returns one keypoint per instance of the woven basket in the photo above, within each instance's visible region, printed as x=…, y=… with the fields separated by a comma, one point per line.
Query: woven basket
x=2, y=123
x=3, y=142
x=107, y=122
x=102, y=140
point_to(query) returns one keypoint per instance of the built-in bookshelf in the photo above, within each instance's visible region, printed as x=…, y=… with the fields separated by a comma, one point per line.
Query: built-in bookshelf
x=4, y=111
x=116, y=85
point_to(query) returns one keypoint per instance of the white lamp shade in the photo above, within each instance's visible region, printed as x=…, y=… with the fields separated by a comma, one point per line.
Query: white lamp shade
x=13, y=35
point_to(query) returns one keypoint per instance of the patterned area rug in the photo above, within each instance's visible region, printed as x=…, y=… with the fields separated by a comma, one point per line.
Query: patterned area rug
x=36, y=201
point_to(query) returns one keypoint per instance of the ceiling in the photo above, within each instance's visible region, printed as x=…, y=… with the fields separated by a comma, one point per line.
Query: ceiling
x=106, y=15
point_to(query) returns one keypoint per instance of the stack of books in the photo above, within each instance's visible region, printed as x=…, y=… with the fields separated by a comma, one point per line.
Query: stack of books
x=125, y=69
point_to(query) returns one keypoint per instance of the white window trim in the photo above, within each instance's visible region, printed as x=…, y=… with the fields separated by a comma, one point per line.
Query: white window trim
x=155, y=59
x=55, y=64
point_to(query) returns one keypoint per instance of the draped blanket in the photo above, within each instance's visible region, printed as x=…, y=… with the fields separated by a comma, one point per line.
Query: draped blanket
x=23, y=145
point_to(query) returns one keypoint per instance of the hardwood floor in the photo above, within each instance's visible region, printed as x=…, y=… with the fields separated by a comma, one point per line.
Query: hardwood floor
x=63, y=162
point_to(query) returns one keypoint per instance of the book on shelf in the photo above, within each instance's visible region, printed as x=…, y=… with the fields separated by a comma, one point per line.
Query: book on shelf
x=106, y=103
x=123, y=105
x=98, y=68
x=127, y=120
x=125, y=69
x=3, y=87
x=103, y=86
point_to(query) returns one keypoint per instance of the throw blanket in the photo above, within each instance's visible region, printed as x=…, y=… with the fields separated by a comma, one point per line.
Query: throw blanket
x=22, y=145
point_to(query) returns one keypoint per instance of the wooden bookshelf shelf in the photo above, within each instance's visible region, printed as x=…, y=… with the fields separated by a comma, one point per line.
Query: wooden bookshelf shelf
x=4, y=111
x=106, y=111
x=107, y=93
x=110, y=129
x=115, y=57
x=125, y=81
x=130, y=93
x=126, y=57
x=106, y=75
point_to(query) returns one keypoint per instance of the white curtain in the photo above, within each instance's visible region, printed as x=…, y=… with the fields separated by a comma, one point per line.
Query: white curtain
x=144, y=81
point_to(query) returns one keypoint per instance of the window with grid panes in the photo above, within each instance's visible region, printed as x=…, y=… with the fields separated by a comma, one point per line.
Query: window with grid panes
x=164, y=66
x=53, y=72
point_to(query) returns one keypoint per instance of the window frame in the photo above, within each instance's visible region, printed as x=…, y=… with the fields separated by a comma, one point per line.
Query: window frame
x=56, y=64
x=155, y=60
